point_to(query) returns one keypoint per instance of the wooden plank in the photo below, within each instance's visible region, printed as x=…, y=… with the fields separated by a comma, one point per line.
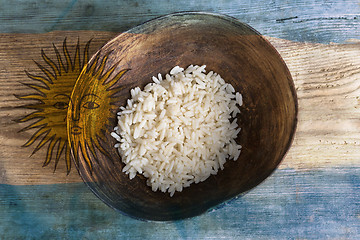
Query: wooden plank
x=314, y=194
x=291, y=204
x=17, y=53
x=326, y=79
x=328, y=88
x=306, y=20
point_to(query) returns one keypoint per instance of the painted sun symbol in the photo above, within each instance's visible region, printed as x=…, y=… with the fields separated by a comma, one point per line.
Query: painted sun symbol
x=52, y=99
x=92, y=107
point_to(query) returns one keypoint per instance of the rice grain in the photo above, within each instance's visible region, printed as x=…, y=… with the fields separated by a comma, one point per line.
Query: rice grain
x=178, y=130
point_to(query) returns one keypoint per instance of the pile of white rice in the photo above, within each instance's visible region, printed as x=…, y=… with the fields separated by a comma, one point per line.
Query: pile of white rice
x=177, y=131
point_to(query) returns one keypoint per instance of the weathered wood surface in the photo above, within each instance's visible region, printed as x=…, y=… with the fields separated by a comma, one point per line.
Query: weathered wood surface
x=315, y=204
x=18, y=52
x=326, y=79
x=314, y=194
x=321, y=21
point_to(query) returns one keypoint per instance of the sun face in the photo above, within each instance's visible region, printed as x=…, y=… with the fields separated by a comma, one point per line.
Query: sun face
x=91, y=108
x=53, y=95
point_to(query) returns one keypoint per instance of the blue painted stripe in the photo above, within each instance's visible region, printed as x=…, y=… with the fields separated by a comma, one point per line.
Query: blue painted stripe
x=64, y=13
x=291, y=204
x=320, y=21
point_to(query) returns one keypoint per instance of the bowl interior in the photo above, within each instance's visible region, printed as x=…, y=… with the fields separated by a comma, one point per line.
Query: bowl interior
x=232, y=49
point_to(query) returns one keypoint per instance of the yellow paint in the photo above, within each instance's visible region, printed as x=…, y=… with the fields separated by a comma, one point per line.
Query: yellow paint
x=91, y=107
x=52, y=95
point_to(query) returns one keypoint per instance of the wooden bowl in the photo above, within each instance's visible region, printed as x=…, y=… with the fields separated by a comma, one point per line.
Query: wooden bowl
x=234, y=50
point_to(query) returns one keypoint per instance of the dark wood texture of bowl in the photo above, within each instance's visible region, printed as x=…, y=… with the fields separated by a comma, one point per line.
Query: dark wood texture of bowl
x=235, y=51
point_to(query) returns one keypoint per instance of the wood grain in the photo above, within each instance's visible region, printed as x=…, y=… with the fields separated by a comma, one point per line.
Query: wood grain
x=322, y=21
x=328, y=88
x=17, y=52
x=326, y=78
x=318, y=201
x=291, y=204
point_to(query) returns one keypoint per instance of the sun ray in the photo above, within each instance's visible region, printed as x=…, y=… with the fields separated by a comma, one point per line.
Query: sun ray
x=91, y=68
x=38, y=88
x=100, y=69
x=49, y=75
x=75, y=147
x=29, y=117
x=35, y=136
x=77, y=63
x=108, y=73
x=91, y=147
x=52, y=91
x=80, y=147
x=35, y=96
x=86, y=53
x=113, y=81
x=67, y=57
x=36, y=124
x=42, y=142
x=102, y=150
x=50, y=63
x=37, y=107
x=60, y=62
x=50, y=149
x=61, y=146
x=110, y=83
x=38, y=78
x=67, y=159
x=85, y=155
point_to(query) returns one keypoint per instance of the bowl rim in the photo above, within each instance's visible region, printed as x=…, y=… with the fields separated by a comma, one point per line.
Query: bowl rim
x=224, y=202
